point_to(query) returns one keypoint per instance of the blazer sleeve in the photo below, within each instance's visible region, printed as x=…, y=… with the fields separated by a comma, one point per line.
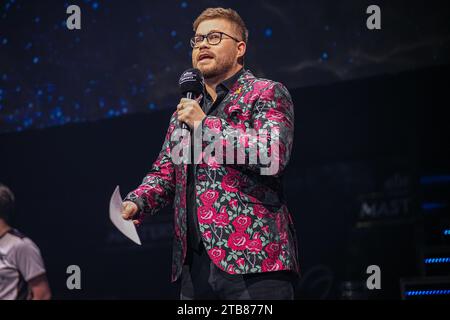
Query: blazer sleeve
x=158, y=186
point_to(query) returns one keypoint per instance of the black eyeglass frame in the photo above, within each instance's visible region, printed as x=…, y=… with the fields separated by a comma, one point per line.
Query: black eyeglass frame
x=206, y=36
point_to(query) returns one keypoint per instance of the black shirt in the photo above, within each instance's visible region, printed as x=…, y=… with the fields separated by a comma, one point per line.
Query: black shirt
x=193, y=230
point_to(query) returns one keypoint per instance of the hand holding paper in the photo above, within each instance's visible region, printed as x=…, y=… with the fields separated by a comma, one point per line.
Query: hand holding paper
x=129, y=210
x=115, y=213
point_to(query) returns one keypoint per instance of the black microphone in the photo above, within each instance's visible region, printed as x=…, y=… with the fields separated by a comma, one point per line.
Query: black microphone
x=191, y=86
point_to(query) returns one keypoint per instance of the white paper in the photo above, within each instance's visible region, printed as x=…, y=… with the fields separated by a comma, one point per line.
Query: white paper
x=127, y=227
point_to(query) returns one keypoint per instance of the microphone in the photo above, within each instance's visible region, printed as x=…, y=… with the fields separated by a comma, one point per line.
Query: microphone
x=191, y=85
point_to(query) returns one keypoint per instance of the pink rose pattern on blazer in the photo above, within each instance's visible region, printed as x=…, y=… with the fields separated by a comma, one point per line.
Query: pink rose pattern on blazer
x=245, y=224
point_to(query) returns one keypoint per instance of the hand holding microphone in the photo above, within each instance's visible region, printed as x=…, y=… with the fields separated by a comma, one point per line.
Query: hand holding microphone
x=189, y=111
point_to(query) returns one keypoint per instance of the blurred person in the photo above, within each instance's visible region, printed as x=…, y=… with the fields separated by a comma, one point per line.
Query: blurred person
x=22, y=271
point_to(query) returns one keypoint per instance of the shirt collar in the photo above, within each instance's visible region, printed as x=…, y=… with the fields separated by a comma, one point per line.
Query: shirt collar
x=224, y=87
x=228, y=83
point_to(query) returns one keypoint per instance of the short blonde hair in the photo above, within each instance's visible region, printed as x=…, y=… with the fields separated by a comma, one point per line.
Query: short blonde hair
x=227, y=14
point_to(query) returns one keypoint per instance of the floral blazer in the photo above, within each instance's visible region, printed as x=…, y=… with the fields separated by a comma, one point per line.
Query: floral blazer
x=244, y=222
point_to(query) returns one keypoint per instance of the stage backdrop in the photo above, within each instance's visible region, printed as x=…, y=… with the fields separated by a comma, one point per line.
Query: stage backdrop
x=128, y=55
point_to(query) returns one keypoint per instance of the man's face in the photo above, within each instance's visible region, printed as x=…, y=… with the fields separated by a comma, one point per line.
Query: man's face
x=216, y=60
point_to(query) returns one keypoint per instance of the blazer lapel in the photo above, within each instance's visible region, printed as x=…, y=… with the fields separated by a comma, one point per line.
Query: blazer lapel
x=233, y=95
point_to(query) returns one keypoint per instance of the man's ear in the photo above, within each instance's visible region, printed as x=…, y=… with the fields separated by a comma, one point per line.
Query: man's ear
x=242, y=48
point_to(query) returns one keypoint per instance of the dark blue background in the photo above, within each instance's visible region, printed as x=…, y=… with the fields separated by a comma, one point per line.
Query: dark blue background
x=128, y=56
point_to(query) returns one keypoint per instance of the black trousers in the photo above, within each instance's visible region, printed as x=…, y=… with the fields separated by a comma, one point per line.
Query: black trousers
x=201, y=279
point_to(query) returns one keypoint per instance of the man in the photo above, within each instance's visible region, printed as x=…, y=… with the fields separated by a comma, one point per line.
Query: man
x=22, y=272
x=234, y=236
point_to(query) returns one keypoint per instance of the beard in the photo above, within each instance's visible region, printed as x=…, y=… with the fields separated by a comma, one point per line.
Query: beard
x=217, y=67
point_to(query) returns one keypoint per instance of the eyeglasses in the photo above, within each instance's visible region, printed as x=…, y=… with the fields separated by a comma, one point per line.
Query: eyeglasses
x=213, y=38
